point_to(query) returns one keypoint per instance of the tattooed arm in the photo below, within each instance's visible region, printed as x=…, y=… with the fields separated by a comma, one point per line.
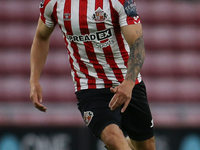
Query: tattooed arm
x=137, y=50
x=134, y=37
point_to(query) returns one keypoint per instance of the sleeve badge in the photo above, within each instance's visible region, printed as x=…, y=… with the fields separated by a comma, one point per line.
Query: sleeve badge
x=130, y=8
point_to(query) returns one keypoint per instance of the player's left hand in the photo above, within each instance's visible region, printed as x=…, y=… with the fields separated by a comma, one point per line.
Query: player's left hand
x=123, y=94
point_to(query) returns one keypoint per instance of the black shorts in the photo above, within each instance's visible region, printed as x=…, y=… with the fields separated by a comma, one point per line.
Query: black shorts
x=136, y=121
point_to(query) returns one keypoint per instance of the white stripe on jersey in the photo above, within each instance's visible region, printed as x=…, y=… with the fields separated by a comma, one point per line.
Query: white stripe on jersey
x=60, y=12
x=117, y=57
x=81, y=46
x=47, y=13
x=104, y=41
x=118, y=7
x=100, y=56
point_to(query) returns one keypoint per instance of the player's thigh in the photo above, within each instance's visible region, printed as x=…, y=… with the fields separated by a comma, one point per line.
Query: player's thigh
x=137, y=119
x=94, y=107
x=112, y=132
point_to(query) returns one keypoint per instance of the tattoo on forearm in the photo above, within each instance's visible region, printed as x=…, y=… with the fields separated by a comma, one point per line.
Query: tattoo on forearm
x=136, y=58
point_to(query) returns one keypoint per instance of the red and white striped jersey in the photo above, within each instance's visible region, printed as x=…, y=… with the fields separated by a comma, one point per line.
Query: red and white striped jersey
x=98, y=52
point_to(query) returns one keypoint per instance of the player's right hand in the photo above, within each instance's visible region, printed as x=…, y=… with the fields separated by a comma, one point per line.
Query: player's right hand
x=36, y=96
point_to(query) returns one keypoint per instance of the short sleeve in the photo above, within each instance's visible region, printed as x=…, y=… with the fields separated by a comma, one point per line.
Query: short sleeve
x=47, y=14
x=128, y=13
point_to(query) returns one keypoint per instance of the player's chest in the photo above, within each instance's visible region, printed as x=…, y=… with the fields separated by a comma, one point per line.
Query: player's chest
x=84, y=16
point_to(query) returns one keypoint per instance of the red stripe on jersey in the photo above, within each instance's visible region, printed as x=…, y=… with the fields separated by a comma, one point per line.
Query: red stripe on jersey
x=72, y=67
x=121, y=1
x=133, y=20
x=89, y=48
x=54, y=16
x=67, y=10
x=115, y=21
x=101, y=26
x=123, y=51
x=88, y=45
x=136, y=81
x=42, y=8
x=107, y=50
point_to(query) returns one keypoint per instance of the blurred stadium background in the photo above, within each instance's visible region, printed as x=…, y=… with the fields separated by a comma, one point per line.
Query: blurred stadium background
x=171, y=72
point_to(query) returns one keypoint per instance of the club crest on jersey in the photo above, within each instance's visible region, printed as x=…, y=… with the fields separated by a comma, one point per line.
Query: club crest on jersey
x=88, y=117
x=67, y=16
x=99, y=15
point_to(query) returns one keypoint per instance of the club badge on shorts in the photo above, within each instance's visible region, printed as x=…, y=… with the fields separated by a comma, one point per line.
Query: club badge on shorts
x=88, y=117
